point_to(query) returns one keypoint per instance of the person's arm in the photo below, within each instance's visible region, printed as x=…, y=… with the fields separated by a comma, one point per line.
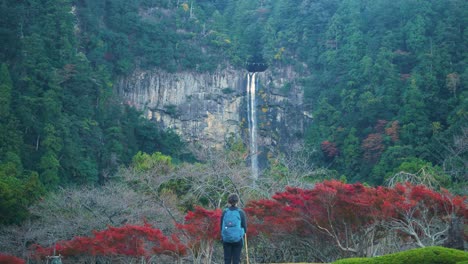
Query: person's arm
x=243, y=220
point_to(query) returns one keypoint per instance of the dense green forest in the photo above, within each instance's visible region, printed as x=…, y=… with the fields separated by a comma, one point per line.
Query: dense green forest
x=61, y=123
x=385, y=80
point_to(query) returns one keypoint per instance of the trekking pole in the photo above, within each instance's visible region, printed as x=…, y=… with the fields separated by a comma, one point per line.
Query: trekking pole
x=246, y=249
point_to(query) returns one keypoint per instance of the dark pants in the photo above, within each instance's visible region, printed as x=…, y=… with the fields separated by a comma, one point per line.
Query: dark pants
x=232, y=252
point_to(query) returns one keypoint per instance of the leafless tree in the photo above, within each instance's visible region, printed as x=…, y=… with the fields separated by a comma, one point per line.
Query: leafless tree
x=455, y=162
x=426, y=223
x=292, y=168
x=77, y=212
x=422, y=177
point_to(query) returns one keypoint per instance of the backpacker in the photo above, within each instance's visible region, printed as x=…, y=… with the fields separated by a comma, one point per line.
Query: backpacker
x=232, y=231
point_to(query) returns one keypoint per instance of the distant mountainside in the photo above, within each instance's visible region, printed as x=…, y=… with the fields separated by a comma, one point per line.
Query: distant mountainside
x=371, y=88
x=384, y=81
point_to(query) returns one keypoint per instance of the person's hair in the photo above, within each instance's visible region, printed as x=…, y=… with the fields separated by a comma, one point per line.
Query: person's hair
x=233, y=199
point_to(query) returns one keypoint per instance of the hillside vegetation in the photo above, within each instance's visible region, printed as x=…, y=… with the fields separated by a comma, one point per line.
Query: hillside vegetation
x=385, y=81
x=167, y=213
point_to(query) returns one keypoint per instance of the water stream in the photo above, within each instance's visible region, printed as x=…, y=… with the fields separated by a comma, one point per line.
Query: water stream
x=252, y=120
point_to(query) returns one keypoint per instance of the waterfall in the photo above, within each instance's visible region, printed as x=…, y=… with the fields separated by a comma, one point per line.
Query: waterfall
x=252, y=120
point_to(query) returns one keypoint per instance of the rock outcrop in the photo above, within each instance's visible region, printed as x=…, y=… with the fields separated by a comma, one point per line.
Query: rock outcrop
x=208, y=108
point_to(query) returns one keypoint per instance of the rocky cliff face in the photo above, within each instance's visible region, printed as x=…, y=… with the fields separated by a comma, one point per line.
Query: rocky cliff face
x=209, y=108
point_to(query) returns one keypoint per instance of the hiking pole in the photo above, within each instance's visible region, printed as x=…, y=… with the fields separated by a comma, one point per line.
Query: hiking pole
x=246, y=249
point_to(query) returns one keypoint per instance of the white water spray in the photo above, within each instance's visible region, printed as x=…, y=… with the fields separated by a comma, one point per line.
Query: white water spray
x=252, y=119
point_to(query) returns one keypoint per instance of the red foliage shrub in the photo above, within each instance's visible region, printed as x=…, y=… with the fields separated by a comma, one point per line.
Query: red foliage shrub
x=8, y=259
x=347, y=213
x=201, y=225
x=202, y=229
x=348, y=217
x=128, y=240
x=332, y=208
x=424, y=202
x=271, y=217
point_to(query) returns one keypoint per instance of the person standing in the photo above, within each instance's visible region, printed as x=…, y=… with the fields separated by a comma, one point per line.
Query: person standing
x=233, y=228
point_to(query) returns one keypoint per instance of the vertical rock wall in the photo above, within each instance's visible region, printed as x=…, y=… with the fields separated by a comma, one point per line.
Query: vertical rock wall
x=208, y=108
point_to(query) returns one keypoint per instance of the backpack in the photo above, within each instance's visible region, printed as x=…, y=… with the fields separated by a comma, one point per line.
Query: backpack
x=232, y=231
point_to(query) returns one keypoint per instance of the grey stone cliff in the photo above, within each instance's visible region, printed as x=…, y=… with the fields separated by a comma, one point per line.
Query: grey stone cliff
x=208, y=108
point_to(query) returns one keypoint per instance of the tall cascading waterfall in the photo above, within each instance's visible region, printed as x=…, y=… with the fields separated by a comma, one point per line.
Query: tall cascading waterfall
x=252, y=119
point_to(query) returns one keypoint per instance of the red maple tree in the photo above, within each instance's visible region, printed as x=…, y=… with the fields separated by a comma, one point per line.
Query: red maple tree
x=349, y=218
x=129, y=240
x=342, y=212
x=424, y=214
x=202, y=229
x=354, y=216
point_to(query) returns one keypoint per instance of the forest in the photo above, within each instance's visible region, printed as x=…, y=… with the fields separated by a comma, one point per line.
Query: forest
x=384, y=80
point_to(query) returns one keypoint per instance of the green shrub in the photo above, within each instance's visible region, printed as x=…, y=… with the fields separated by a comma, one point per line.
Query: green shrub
x=428, y=255
x=228, y=90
